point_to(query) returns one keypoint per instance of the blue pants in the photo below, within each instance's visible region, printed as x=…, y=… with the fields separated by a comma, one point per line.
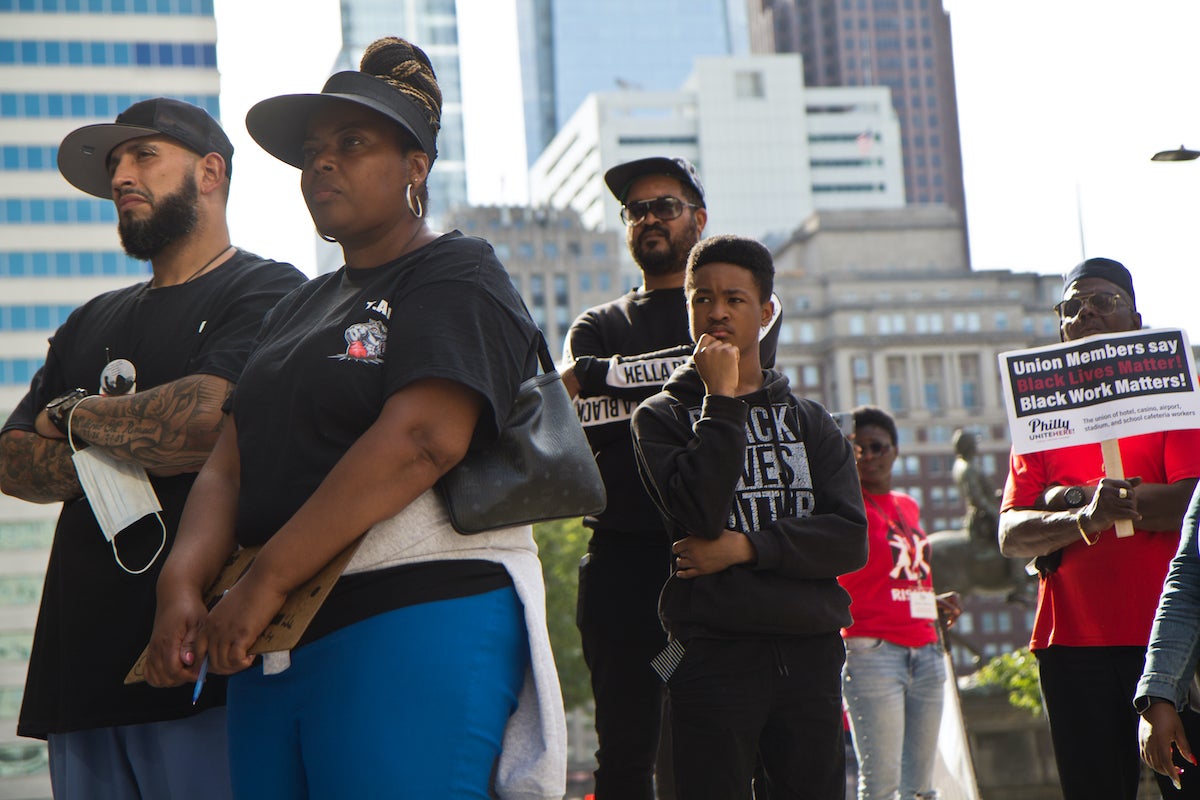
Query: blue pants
x=894, y=696
x=408, y=704
x=183, y=759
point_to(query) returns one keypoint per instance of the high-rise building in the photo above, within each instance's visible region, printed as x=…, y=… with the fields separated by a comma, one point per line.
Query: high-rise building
x=880, y=309
x=570, y=49
x=432, y=25
x=560, y=266
x=63, y=64
x=769, y=150
x=902, y=44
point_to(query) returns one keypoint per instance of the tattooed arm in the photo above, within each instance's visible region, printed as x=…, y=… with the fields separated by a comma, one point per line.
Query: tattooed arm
x=169, y=429
x=37, y=469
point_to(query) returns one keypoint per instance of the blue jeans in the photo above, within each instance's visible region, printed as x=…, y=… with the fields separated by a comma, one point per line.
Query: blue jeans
x=894, y=696
x=180, y=758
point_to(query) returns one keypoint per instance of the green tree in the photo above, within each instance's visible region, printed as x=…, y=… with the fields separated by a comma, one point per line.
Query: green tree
x=1017, y=674
x=561, y=544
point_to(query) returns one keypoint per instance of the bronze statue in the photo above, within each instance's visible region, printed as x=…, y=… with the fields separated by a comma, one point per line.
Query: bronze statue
x=969, y=560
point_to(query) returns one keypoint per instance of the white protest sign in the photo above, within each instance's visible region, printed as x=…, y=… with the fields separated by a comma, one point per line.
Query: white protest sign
x=1100, y=388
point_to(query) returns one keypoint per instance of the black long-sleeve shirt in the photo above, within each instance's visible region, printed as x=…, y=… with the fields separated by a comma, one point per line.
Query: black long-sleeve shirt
x=625, y=350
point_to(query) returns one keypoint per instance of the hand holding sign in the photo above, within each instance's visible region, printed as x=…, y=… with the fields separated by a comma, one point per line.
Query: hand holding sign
x=1097, y=390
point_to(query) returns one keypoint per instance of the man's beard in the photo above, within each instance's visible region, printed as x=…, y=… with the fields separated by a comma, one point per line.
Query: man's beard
x=671, y=260
x=173, y=217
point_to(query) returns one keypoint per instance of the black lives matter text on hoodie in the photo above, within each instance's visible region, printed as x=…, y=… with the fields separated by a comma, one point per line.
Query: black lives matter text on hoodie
x=774, y=467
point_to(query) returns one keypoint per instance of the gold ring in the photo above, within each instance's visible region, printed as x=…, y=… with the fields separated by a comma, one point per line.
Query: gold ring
x=1122, y=493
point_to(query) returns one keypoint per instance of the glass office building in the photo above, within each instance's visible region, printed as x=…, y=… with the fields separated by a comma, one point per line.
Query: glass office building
x=570, y=49
x=433, y=26
x=63, y=64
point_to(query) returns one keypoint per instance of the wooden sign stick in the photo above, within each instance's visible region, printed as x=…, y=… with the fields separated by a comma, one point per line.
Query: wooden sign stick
x=1113, y=468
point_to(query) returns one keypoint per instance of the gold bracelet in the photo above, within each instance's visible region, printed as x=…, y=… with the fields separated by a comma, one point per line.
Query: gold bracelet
x=1083, y=533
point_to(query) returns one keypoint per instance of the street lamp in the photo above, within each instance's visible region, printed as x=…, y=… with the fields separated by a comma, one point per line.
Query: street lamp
x=1182, y=154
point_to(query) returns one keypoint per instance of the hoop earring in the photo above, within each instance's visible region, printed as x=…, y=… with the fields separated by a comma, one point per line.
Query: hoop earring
x=329, y=239
x=417, y=209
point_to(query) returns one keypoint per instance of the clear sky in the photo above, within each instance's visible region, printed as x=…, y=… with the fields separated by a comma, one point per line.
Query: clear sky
x=1061, y=105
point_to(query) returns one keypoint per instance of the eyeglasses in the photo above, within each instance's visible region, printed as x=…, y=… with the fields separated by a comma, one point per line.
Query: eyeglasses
x=664, y=208
x=1103, y=303
x=874, y=448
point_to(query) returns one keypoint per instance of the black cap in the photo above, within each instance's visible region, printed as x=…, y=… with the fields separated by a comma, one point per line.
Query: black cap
x=83, y=154
x=1104, y=268
x=621, y=176
x=279, y=124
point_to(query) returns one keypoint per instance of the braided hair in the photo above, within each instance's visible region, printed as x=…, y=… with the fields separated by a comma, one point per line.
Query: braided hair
x=407, y=69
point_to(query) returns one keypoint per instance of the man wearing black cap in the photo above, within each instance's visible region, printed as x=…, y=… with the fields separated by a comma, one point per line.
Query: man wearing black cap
x=136, y=379
x=617, y=355
x=1098, y=592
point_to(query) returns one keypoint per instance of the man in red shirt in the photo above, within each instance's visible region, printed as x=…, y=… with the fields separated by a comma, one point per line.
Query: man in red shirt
x=1098, y=593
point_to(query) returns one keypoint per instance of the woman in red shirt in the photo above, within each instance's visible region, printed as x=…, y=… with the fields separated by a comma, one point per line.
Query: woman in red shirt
x=894, y=673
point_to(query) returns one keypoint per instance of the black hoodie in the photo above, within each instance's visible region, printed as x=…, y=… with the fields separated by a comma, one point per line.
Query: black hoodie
x=774, y=467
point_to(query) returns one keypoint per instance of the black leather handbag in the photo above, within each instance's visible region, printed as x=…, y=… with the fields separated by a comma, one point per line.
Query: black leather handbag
x=539, y=468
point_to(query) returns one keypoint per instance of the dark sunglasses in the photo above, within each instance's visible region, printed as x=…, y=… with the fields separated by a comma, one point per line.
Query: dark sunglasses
x=663, y=208
x=1103, y=303
x=874, y=448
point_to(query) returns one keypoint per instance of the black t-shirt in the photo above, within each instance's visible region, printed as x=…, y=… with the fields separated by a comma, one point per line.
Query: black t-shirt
x=95, y=618
x=333, y=351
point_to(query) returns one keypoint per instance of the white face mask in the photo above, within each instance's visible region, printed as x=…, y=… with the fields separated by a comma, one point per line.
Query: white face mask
x=120, y=494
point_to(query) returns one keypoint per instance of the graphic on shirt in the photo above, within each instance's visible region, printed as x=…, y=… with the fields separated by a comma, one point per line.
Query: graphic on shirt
x=365, y=342
x=910, y=553
x=652, y=372
x=603, y=409
x=118, y=377
x=776, y=480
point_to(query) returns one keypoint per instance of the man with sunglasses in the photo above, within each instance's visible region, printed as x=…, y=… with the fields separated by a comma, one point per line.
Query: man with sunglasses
x=1098, y=593
x=616, y=355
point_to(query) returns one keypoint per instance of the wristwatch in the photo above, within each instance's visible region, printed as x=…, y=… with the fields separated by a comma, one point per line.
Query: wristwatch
x=1142, y=704
x=1074, y=497
x=58, y=409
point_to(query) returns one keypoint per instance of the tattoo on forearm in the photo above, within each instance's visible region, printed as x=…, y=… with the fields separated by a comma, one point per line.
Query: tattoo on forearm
x=37, y=469
x=170, y=428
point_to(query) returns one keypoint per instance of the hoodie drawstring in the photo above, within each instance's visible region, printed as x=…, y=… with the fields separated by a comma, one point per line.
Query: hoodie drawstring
x=779, y=662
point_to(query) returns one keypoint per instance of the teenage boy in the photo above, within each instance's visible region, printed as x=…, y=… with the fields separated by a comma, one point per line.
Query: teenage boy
x=761, y=498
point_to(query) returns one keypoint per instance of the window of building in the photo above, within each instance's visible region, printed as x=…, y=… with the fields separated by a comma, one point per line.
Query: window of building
x=857, y=325
x=748, y=84
x=861, y=368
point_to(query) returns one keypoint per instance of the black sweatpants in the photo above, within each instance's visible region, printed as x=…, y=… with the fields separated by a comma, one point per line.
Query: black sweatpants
x=617, y=615
x=732, y=700
x=1088, y=693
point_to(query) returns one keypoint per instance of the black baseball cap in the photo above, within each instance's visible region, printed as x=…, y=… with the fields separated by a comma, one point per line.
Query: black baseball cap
x=1104, y=268
x=621, y=176
x=83, y=154
x=278, y=123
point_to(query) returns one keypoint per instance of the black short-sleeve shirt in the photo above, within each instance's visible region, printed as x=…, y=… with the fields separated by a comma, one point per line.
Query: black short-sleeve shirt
x=333, y=351
x=94, y=617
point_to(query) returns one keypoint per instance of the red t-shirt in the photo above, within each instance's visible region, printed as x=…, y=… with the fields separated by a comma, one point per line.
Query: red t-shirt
x=1104, y=595
x=897, y=563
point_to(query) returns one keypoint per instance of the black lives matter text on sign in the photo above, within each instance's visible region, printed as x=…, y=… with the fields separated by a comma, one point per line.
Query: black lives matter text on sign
x=1088, y=373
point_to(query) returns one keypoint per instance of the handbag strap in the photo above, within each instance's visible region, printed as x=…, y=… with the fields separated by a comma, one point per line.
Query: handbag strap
x=544, y=358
